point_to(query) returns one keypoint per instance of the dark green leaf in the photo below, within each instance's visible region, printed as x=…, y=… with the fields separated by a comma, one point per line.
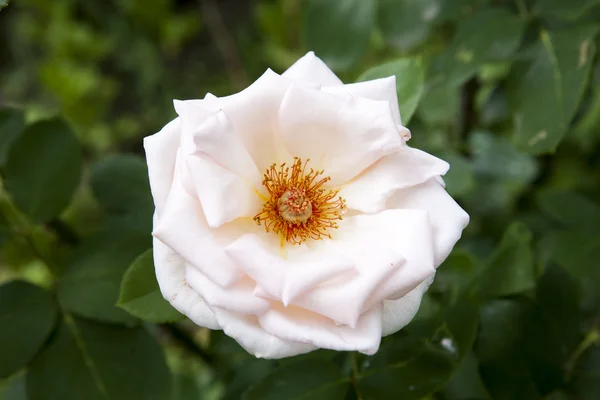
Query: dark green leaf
x=120, y=183
x=140, y=295
x=409, y=82
x=499, y=349
x=91, y=284
x=571, y=209
x=407, y=23
x=465, y=382
x=489, y=35
x=510, y=270
x=572, y=9
x=545, y=89
x=43, y=169
x=331, y=25
x=586, y=378
x=252, y=371
x=88, y=360
x=309, y=379
x=27, y=315
x=12, y=122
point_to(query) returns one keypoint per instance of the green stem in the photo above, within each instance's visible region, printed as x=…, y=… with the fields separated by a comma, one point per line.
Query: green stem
x=589, y=340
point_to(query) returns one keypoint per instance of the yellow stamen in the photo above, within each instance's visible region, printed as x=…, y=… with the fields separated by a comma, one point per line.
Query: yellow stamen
x=299, y=208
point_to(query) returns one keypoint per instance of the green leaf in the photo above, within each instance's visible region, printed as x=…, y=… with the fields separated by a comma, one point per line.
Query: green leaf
x=586, y=378
x=460, y=179
x=43, y=169
x=93, y=361
x=407, y=23
x=570, y=208
x=330, y=25
x=91, y=284
x=409, y=82
x=310, y=379
x=140, y=295
x=439, y=105
x=493, y=34
x=465, y=382
x=12, y=122
x=250, y=372
x=510, y=270
x=120, y=183
x=572, y=9
x=545, y=89
x=420, y=359
x=500, y=350
x=27, y=316
x=3, y=3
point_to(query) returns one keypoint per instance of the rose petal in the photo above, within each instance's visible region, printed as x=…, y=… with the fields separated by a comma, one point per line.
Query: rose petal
x=398, y=313
x=383, y=89
x=252, y=113
x=161, y=151
x=248, y=333
x=447, y=218
x=182, y=227
x=298, y=325
x=236, y=298
x=392, y=252
x=343, y=135
x=285, y=279
x=406, y=167
x=224, y=195
x=170, y=274
x=311, y=68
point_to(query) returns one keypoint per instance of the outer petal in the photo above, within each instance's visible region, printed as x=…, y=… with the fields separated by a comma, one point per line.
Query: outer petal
x=247, y=332
x=161, y=152
x=252, y=113
x=301, y=326
x=393, y=253
x=224, y=195
x=407, y=167
x=447, y=218
x=341, y=134
x=285, y=279
x=170, y=273
x=310, y=68
x=398, y=313
x=383, y=89
x=183, y=228
x=237, y=298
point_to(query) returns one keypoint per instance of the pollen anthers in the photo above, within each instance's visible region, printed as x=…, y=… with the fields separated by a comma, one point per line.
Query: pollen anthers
x=299, y=208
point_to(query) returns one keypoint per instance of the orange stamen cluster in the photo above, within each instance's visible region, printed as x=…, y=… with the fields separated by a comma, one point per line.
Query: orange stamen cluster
x=299, y=208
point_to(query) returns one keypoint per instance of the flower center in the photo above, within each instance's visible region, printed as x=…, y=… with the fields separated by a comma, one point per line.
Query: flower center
x=294, y=206
x=299, y=208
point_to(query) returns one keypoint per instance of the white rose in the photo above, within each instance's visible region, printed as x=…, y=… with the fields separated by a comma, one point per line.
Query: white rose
x=293, y=216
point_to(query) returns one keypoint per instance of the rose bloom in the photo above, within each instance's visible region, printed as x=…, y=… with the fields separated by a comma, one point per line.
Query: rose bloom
x=294, y=216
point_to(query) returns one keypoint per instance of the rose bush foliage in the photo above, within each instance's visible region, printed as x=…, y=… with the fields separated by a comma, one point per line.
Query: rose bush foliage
x=504, y=92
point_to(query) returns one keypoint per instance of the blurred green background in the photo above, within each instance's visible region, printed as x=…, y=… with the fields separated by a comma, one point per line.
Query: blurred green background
x=506, y=91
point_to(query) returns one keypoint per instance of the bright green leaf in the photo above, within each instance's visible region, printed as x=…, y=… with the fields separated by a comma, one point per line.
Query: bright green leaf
x=93, y=361
x=140, y=295
x=331, y=25
x=511, y=268
x=409, y=82
x=43, y=169
x=545, y=89
x=310, y=379
x=12, y=122
x=91, y=284
x=27, y=316
x=571, y=9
